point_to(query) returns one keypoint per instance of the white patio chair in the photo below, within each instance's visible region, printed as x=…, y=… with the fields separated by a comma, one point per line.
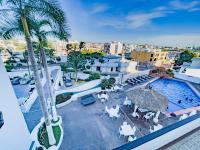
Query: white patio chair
x=121, y=132
x=136, y=115
x=125, y=123
x=193, y=112
x=130, y=138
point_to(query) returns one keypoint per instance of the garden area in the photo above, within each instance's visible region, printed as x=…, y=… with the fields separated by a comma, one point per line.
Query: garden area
x=63, y=98
x=43, y=136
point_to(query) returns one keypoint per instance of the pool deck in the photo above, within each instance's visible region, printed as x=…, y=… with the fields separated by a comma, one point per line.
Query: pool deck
x=90, y=127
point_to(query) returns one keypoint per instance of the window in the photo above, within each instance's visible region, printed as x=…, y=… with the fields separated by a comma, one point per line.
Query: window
x=151, y=55
x=150, y=59
x=155, y=59
x=98, y=68
x=111, y=69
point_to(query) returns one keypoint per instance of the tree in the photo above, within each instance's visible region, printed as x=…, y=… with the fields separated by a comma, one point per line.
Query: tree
x=81, y=45
x=185, y=56
x=37, y=29
x=21, y=11
x=76, y=61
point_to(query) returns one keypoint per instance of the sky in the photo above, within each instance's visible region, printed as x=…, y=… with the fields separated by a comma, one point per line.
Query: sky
x=159, y=22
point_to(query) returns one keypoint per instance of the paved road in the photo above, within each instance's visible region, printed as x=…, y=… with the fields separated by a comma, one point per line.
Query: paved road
x=35, y=113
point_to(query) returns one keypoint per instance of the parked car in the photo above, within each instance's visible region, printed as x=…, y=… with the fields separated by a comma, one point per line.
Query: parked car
x=68, y=82
x=16, y=81
x=1, y=119
x=24, y=81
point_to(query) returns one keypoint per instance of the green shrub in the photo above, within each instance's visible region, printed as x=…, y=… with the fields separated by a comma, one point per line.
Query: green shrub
x=9, y=67
x=87, y=67
x=93, y=76
x=107, y=83
x=112, y=81
x=63, y=98
x=23, y=60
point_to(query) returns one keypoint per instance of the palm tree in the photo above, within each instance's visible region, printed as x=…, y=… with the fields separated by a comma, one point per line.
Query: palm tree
x=22, y=11
x=37, y=29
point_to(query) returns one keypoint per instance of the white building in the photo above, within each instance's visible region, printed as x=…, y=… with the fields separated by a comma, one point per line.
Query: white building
x=116, y=48
x=113, y=64
x=190, y=71
x=14, y=134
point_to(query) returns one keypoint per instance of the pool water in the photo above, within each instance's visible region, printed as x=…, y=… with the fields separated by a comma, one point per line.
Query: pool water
x=179, y=94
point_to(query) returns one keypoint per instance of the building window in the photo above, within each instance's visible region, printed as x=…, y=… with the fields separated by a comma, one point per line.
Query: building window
x=151, y=55
x=111, y=69
x=98, y=68
x=155, y=59
x=150, y=59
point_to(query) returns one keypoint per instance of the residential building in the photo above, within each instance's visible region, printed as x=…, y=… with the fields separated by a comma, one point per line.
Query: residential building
x=113, y=64
x=155, y=58
x=114, y=48
x=190, y=71
x=14, y=134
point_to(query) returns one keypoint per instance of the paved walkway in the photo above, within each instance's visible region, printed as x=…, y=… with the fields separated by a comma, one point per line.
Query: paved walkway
x=89, y=128
x=34, y=115
x=190, y=142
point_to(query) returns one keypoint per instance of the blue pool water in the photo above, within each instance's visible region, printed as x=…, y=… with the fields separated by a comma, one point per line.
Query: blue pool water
x=176, y=91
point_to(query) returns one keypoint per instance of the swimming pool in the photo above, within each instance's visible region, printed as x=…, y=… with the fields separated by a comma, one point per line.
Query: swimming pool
x=179, y=94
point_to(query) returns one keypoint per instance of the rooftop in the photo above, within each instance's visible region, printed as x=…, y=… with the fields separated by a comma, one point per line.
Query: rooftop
x=91, y=128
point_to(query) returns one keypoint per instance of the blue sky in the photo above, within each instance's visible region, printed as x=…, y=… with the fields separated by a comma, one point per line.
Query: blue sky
x=160, y=22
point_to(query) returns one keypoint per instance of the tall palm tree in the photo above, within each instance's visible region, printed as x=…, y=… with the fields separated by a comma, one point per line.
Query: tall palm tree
x=22, y=10
x=38, y=30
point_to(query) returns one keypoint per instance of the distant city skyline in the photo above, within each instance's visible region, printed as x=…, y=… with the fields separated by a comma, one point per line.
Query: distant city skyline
x=167, y=23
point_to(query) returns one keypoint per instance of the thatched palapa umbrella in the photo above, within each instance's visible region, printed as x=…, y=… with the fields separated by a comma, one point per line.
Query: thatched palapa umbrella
x=148, y=99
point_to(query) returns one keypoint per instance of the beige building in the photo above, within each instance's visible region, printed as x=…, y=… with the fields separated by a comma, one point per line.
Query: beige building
x=157, y=58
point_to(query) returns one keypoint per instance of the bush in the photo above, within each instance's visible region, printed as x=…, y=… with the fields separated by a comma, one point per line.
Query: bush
x=87, y=72
x=93, y=76
x=23, y=60
x=63, y=98
x=9, y=67
x=112, y=81
x=87, y=67
x=107, y=83
x=169, y=71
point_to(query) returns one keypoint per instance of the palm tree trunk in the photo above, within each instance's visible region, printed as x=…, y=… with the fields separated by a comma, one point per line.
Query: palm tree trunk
x=39, y=87
x=49, y=86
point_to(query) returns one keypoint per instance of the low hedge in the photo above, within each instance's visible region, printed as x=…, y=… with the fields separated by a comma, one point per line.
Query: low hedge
x=63, y=98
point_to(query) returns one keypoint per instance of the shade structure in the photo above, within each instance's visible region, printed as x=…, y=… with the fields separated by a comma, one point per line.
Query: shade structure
x=148, y=99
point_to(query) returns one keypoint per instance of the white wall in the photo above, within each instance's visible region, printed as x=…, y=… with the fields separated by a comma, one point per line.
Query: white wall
x=14, y=134
x=170, y=136
x=187, y=78
x=79, y=88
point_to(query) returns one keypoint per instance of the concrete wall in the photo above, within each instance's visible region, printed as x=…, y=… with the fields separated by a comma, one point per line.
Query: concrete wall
x=170, y=136
x=187, y=78
x=14, y=135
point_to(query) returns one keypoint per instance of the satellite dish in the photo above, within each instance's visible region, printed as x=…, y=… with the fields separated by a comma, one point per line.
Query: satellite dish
x=1, y=119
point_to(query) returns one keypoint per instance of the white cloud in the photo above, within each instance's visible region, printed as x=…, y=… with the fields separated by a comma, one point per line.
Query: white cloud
x=98, y=8
x=183, y=5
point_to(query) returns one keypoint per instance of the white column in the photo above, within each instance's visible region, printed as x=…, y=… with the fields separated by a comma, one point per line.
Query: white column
x=50, y=133
x=156, y=117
